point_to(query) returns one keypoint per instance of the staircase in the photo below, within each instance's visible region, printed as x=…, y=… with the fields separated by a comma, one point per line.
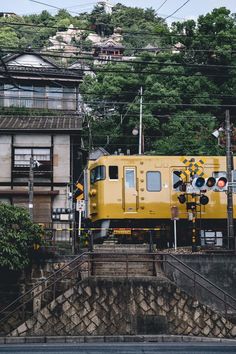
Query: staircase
x=87, y=273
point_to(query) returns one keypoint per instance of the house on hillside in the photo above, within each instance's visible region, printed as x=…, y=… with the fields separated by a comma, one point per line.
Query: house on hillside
x=108, y=49
x=40, y=121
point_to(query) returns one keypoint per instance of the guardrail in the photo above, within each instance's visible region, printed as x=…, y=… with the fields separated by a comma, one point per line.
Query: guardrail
x=199, y=284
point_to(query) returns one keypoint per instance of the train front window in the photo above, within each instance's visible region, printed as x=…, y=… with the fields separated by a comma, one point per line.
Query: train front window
x=97, y=174
x=113, y=172
x=153, y=181
x=129, y=178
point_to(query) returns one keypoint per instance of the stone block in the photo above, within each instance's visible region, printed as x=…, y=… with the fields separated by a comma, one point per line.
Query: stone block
x=88, y=290
x=160, y=301
x=205, y=331
x=35, y=339
x=69, y=293
x=233, y=331
x=22, y=329
x=66, y=306
x=96, y=320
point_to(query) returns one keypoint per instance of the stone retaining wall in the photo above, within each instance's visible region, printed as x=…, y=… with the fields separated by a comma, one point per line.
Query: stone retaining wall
x=126, y=307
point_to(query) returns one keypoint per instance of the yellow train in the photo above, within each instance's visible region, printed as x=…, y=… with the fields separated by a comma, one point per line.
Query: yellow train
x=132, y=195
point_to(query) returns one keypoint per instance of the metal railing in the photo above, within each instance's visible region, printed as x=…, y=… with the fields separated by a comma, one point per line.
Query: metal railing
x=200, y=287
x=23, y=305
x=22, y=308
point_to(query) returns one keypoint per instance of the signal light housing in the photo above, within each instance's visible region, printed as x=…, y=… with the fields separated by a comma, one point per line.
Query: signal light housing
x=221, y=184
x=211, y=182
x=204, y=200
x=198, y=182
x=182, y=198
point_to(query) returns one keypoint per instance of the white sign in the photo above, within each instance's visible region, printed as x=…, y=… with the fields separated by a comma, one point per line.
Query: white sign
x=80, y=205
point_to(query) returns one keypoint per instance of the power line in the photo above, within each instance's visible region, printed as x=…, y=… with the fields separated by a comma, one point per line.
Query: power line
x=179, y=8
x=148, y=33
x=54, y=7
x=161, y=5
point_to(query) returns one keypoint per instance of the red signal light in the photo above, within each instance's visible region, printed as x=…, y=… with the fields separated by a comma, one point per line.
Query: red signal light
x=221, y=183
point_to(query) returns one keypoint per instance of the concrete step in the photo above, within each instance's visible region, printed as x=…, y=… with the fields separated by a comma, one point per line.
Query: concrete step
x=117, y=248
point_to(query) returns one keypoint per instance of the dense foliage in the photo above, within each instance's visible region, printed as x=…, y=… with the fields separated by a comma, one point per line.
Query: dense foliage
x=17, y=237
x=185, y=92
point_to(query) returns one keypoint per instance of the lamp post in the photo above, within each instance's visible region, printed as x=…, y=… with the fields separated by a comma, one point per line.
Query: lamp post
x=139, y=130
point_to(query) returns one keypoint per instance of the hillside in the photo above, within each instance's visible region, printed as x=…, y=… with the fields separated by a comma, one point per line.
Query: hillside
x=185, y=91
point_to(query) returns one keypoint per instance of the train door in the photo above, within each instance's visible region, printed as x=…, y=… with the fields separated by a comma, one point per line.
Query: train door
x=130, y=189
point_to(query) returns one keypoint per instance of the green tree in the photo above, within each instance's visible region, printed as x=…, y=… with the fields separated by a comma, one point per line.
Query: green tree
x=17, y=236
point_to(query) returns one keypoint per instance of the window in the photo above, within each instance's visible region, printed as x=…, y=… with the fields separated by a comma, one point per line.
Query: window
x=39, y=97
x=219, y=174
x=113, y=172
x=153, y=181
x=130, y=178
x=177, y=182
x=98, y=173
x=69, y=98
x=22, y=156
x=55, y=95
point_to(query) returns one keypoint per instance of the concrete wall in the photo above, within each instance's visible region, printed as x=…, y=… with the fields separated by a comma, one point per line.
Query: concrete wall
x=218, y=269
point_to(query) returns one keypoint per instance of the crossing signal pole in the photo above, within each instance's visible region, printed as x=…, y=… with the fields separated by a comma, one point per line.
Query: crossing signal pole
x=230, y=167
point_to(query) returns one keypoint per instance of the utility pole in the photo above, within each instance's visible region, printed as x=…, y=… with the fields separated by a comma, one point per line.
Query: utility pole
x=140, y=145
x=31, y=188
x=229, y=167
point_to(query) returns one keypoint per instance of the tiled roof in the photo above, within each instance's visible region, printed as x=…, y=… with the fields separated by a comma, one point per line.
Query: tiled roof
x=41, y=70
x=35, y=123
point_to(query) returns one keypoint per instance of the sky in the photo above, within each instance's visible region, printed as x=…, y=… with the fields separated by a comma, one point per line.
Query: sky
x=192, y=9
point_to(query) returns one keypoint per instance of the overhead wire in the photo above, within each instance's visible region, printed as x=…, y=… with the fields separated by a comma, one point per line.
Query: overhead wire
x=161, y=5
x=177, y=10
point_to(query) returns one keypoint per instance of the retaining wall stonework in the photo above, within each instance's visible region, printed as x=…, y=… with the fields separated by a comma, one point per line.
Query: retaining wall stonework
x=125, y=306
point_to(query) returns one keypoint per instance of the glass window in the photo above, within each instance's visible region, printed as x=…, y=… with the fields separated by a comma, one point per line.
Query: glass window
x=26, y=96
x=69, y=98
x=39, y=97
x=129, y=178
x=153, y=181
x=177, y=181
x=22, y=156
x=113, y=172
x=55, y=96
x=98, y=173
x=219, y=174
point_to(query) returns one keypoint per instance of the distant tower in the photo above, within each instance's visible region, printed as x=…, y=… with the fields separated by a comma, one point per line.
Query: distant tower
x=107, y=6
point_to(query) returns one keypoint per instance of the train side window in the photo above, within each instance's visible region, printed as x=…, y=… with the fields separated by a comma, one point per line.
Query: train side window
x=218, y=174
x=113, y=172
x=129, y=177
x=153, y=181
x=177, y=181
x=97, y=174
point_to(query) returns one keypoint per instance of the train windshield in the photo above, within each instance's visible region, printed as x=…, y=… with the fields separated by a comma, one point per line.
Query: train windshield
x=97, y=174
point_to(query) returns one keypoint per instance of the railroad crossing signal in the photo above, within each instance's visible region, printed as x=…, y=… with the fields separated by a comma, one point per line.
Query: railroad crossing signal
x=192, y=168
x=79, y=193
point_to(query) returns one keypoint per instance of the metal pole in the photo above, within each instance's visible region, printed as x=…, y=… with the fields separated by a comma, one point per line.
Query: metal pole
x=229, y=167
x=141, y=123
x=31, y=188
x=175, y=235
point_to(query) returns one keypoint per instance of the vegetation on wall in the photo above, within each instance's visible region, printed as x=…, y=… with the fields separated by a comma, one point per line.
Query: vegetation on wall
x=18, y=235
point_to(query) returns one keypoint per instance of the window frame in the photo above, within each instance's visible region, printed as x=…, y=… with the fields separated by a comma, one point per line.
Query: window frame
x=160, y=184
